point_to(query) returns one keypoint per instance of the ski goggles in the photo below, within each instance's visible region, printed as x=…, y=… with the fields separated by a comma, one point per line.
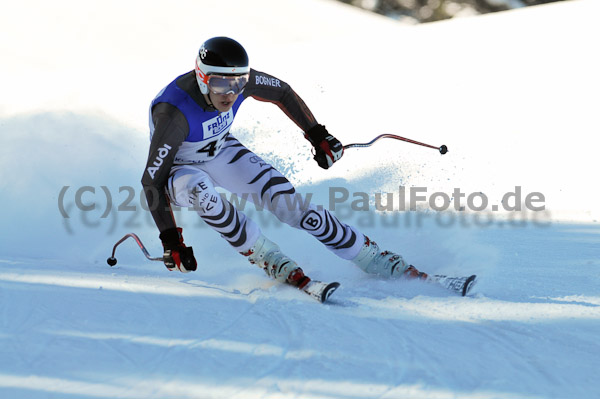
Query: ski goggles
x=227, y=84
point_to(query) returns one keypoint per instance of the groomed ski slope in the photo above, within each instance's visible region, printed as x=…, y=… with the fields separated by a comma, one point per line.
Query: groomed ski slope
x=513, y=96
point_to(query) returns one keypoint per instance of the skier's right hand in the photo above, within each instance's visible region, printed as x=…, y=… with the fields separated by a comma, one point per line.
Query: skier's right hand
x=177, y=256
x=327, y=149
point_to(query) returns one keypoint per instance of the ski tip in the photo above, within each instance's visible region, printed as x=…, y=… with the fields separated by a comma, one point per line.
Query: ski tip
x=331, y=287
x=469, y=283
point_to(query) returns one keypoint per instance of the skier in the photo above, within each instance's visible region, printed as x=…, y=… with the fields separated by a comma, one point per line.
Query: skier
x=192, y=151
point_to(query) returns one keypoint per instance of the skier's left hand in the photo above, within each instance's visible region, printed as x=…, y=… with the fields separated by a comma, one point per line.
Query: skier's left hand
x=328, y=149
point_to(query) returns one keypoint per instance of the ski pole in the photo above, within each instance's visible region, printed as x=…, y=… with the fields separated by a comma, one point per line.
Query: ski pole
x=113, y=261
x=443, y=149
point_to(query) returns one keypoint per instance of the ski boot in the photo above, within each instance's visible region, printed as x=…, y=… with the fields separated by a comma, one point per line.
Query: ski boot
x=388, y=264
x=384, y=263
x=267, y=255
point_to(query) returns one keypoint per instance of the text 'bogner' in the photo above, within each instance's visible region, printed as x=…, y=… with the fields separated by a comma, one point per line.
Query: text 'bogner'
x=263, y=80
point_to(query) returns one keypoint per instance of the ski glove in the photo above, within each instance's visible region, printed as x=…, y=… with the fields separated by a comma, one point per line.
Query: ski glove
x=177, y=256
x=328, y=149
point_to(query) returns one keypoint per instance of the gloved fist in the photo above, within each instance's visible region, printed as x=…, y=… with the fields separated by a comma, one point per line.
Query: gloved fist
x=177, y=256
x=328, y=149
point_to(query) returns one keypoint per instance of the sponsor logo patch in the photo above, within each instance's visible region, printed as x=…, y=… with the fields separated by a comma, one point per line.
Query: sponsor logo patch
x=158, y=161
x=217, y=125
x=267, y=81
x=312, y=221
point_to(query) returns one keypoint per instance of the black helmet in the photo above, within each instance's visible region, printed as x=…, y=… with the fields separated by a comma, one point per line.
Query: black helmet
x=220, y=55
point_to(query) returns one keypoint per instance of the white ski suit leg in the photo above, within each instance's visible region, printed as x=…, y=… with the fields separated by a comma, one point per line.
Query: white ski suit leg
x=243, y=173
x=190, y=186
x=240, y=171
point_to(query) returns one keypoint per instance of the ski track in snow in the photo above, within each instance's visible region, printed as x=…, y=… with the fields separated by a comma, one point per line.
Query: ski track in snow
x=134, y=332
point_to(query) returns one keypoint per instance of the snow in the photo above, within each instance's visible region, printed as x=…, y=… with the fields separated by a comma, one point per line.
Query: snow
x=513, y=95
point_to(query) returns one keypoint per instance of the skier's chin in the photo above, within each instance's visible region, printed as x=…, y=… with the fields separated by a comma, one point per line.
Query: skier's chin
x=223, y=106
x=223, y=102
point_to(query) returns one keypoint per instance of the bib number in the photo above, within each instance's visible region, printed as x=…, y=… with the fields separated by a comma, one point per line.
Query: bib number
x=210, y=149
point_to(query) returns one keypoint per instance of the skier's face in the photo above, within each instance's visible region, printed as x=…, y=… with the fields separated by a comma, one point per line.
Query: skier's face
x=223, y=102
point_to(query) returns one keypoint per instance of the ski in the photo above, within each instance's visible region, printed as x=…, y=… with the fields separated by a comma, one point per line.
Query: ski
x=460, y=285
x=319, y=290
